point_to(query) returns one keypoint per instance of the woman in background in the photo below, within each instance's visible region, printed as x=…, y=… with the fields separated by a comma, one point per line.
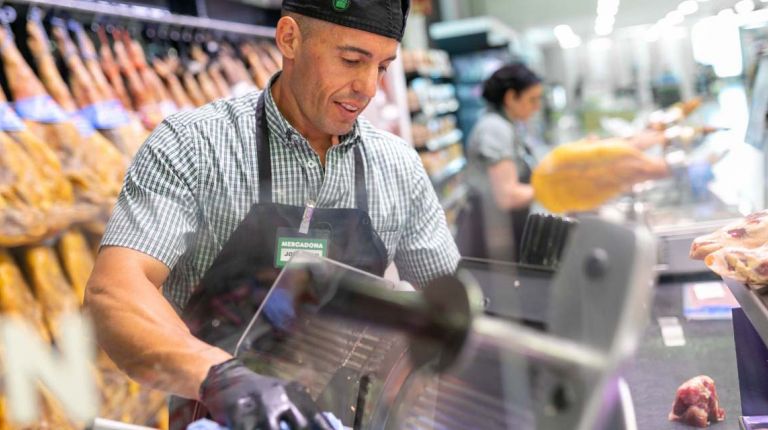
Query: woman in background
x=499, y=166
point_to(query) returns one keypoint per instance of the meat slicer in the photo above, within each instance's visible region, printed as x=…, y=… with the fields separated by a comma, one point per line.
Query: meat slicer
x=378, y=358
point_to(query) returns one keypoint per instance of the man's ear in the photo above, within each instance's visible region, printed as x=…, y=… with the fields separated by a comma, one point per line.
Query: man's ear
x=288, y=37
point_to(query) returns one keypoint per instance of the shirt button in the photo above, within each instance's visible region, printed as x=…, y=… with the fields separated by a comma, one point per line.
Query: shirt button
x=311, y=164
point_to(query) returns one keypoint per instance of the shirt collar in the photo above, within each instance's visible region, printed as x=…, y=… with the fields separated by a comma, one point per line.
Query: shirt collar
x=287, y=134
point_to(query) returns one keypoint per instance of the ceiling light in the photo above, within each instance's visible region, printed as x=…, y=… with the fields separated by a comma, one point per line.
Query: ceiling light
x=688, y=7
x=566, y=37
x=603, y=30
x=572, y=41
x=605, y=21
x=601, y=43
x=653, y=34
x=744, y=6
x=726, y=13
x=675, y=18
x=562, y=31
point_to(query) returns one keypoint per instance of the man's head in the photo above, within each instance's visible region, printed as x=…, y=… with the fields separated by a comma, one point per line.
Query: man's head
x=335, y=54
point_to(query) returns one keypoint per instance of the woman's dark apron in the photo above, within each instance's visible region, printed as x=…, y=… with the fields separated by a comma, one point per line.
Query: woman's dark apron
x=474, y=225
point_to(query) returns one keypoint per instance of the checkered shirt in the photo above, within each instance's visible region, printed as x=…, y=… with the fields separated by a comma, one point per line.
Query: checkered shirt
x=196, y=177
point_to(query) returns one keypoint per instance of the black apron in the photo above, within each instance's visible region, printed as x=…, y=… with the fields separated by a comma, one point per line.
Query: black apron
x=239, y=279
x=471, y=225
x=520, y=216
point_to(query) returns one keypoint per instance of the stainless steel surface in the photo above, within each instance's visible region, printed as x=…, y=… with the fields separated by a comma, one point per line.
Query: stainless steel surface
x=152, y=15
x=600, y=298
x=675, y=231
x=674, y=250
x=103, y=424
x=534, y=345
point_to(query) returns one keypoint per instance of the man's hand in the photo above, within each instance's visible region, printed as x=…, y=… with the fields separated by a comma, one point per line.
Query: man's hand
x=243, y=400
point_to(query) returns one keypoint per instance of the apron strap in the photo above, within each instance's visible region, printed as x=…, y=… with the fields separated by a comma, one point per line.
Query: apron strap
x=361, y=192
x=264, y=153
x=265, y=162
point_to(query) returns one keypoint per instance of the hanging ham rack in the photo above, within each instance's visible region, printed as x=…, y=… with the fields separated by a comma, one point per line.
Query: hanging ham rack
x=150, y=14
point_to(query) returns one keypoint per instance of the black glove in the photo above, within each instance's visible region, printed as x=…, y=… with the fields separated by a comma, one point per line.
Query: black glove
x=243, y=400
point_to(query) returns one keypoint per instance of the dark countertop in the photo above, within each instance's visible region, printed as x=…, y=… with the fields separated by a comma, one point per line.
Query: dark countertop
x=658, y=370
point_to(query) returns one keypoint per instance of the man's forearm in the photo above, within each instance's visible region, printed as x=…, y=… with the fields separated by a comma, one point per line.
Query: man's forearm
x=145, y=337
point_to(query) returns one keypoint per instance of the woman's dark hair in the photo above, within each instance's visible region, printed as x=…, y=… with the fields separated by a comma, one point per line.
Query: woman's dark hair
x=516, y=77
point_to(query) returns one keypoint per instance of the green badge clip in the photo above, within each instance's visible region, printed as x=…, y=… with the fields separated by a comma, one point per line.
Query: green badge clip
x=341, y=5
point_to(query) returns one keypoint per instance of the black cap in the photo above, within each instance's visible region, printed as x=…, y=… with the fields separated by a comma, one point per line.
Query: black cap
x=384, y=17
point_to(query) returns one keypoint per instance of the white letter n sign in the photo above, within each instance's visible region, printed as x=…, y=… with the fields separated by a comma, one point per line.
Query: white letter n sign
x=67, y=373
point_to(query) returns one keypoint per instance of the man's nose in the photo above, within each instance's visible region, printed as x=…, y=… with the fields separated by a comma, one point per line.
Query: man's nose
x=367, y=83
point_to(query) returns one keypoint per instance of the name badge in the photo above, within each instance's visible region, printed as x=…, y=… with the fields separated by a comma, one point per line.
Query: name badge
x=290, y=242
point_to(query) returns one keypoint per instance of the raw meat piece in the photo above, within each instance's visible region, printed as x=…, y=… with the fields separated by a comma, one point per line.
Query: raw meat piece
x=750, y=232
x=696, y=403
x=742, y=264
x=580, y=176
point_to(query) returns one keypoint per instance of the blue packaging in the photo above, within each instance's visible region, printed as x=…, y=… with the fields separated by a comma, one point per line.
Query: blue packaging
x=83, y=125
x=41, y=109
x=106, y=115
x=9, y=119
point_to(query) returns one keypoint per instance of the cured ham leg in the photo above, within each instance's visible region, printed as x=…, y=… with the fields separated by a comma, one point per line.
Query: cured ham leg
x=581, y=176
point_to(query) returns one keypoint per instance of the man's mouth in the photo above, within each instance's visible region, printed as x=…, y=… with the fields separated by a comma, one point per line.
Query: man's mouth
x=349, y=107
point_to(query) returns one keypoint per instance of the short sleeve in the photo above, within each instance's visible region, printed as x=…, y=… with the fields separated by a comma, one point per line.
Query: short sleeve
x=493, y=140
x=426, y=249
x=156, y=211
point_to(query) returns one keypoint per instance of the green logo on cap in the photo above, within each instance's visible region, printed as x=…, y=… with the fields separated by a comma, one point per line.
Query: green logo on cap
x=341, y=5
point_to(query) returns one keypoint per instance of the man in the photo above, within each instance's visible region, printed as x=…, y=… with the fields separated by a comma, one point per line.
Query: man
x=214, y=192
